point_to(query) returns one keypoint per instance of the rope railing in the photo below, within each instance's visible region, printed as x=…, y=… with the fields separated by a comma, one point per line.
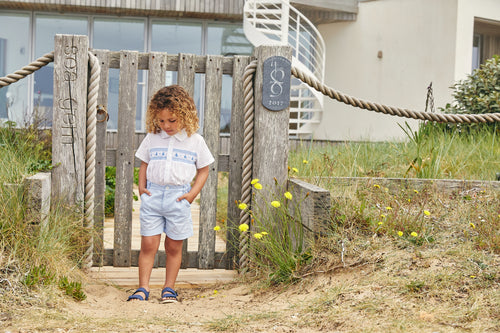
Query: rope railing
x=27, y=70
x=393, y=111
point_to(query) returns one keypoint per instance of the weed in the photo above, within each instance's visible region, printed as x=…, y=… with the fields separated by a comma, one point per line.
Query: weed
x=73, y=289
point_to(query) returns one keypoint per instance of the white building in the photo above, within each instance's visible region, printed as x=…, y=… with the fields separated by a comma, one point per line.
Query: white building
x=394, y=50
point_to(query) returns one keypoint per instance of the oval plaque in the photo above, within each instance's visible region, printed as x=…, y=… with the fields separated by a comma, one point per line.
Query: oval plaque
x=276, y=85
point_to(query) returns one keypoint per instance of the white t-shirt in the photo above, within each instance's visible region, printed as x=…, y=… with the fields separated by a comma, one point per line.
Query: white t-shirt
x=173, y=160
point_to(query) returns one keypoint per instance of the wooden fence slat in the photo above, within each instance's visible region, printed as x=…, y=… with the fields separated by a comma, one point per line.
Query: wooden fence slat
x=100, y=158
x=156, y=73
x=125, y=158
x=185, y=79
x=156, y=80
x=186, y=72
x=235, y=158
x=211, y=126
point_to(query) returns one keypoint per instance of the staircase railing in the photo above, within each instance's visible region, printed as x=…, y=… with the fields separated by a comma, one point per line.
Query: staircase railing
x=275, y=22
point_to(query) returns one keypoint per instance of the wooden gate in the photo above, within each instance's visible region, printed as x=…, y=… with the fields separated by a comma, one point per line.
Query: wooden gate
x=270, y=140
x=186, y=66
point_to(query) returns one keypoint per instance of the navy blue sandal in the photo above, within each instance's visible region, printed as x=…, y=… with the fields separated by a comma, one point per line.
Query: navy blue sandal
x=136, y=295
x=168, y=295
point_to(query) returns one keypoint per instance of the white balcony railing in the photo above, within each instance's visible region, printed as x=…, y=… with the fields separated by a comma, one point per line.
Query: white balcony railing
x=275, y=22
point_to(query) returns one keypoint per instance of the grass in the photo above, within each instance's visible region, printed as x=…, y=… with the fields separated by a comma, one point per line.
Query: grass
x=364, y=276
x=34, y=256
x=432, y=152
x=395, y=259
x=408, y=216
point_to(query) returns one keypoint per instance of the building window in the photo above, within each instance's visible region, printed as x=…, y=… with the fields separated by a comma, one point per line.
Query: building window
x=227, y=40
x=46, y=27
x=14, y=54
x=486, y=42
x=31, y=35
x=121, y=34
x=476, y=51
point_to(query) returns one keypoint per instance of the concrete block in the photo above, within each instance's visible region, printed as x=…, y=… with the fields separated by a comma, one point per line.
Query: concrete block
x=38, y=193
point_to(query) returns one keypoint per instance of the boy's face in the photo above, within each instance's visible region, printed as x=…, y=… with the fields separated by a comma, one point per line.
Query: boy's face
x=169, y=122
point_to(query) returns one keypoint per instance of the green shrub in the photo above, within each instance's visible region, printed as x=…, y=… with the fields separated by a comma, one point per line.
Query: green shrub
x=109, y=195
x=480, y=91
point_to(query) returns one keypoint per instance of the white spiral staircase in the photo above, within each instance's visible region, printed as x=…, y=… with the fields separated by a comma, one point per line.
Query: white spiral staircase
x=275, y=22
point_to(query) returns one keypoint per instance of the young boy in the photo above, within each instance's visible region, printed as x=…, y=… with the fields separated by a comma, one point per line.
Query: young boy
x=172, y=154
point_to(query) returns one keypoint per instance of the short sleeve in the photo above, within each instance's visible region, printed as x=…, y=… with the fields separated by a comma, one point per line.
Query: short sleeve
x=205, y=157
x=143, y=150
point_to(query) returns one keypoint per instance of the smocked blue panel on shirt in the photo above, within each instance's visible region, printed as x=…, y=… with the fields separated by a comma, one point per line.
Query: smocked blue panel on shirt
x=184, y=156
x=158, y=154
x=178, y=155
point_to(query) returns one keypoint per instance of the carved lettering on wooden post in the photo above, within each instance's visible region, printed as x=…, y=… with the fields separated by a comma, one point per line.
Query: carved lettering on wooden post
x=69, y=118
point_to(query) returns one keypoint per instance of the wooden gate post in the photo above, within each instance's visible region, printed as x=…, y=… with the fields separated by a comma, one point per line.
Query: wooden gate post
x=270, y=155
x=69, y=118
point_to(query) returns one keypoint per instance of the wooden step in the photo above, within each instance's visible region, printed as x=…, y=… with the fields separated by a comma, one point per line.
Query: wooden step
x=127, y=277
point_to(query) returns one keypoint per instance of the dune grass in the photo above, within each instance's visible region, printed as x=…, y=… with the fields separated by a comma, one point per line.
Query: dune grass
x=34, y=256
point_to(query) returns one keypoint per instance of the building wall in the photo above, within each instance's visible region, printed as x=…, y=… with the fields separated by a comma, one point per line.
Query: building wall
x=389, y=55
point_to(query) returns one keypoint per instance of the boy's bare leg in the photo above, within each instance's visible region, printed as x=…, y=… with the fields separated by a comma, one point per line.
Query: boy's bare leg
x=173, y=250
x=149, y=247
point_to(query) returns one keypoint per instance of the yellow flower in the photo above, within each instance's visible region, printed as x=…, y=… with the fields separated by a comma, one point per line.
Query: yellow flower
x=415, y=191
x=254, y=181
x=305, y=161
x=400, y=233
x=376, y=185
x=243, y=227
x=426, y=212
x=295, y=170
x=380, y=223
x=472, y=276
x=257, y=235
x=472, y=225
x=216, y=228
x=242, y=206
x=409, y=200
x=382, y=216
x=275, y=204
x=288, y=195
x=215, y=292
x=414, y=234
x=388, y=208
x=258, y=186
x=264, y=233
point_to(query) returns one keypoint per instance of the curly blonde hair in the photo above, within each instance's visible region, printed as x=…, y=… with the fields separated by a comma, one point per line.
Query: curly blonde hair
x=175, y=99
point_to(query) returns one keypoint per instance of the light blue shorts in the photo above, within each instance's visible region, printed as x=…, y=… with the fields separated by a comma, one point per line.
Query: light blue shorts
x=161, y=212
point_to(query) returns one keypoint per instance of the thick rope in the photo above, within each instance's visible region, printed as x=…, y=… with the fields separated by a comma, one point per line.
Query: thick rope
x=92, y=92
x=246, y=186
x=27, y=70
x=393, y=111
